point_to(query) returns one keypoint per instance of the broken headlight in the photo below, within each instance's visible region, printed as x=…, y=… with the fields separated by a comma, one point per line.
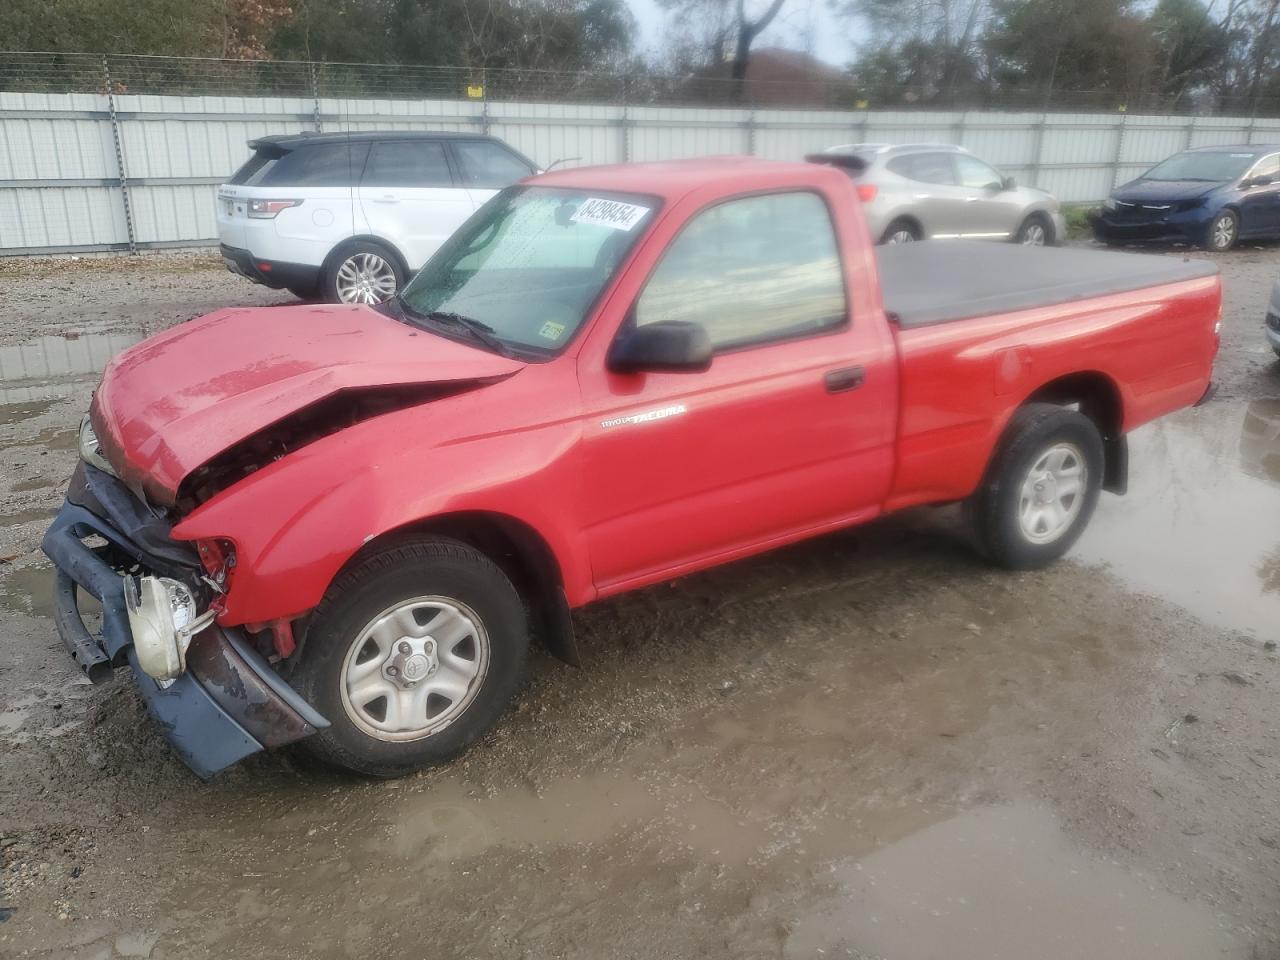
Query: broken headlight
x=163, y=617
x=91, y=449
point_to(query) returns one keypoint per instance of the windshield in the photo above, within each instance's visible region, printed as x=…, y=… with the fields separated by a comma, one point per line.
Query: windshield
x=1201, y=165
x=530, y=264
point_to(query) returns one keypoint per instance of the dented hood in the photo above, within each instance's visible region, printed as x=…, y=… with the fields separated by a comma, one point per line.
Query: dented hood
x=175, y=401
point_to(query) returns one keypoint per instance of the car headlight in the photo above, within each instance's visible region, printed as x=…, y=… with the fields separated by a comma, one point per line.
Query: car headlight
x=1109, y=203
x=91, y=449
x=163, y=618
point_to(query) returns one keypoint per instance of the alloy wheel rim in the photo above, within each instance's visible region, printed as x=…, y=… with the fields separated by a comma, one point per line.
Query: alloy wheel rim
x=415, y=668
x=1033, y=235
x=1052, y=493
x=1224, y=231
x=902, y=236
x=365, y=278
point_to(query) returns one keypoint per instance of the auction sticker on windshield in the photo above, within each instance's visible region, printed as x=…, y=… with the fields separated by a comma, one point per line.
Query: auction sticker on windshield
x=609, y=213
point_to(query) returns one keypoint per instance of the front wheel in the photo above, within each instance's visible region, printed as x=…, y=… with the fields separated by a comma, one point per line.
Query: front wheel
x=1041, y=488
x=1034, y=232
x=1224, y=230
x=413, y=654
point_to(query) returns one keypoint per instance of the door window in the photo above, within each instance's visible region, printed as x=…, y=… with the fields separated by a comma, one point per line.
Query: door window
x=408, y=163
x=1267, y=167
x=972, y=172
x=486, y=164
x=751, y=271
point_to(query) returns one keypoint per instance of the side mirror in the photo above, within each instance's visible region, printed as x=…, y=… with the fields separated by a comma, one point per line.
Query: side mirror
x=1008, y=183
x=670, y=345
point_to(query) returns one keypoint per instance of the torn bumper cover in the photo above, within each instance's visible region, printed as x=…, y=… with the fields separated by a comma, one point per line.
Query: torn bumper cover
x=228, y=702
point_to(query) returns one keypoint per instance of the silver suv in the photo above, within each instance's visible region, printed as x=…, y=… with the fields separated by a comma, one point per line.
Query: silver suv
x=936, y=191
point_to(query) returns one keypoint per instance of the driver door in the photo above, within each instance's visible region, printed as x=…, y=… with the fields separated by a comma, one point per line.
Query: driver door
x=789, y=430
x=990, y=212
x=1260, y=203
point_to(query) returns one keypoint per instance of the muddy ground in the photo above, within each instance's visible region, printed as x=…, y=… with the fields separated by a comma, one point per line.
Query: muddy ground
x=872, y=745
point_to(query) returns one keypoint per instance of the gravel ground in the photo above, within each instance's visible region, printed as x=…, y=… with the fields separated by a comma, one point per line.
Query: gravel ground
x=871, y=745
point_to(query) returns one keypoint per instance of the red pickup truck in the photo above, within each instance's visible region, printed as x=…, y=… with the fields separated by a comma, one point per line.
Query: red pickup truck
x=342, y=524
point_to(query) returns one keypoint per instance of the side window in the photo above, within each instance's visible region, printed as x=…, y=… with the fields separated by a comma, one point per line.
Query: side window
x=972, y=172
x=903, y=166
x=485, y=164
x=931, y=167
x=1267, y=167
x=408, y=163
x=750, y=271
x=319, y=165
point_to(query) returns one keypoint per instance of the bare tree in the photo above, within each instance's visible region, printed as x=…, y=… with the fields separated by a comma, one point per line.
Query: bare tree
x=748, y=30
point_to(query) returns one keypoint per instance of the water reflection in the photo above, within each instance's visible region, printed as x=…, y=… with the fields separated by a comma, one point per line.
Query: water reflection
x=50, y=367
x=1200, y=525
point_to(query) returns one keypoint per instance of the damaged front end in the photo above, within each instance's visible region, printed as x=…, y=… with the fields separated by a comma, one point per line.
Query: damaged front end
x=215, y=696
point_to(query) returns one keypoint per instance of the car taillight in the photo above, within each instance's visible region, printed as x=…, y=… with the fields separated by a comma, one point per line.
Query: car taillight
x=866, y=192
x=266, y=209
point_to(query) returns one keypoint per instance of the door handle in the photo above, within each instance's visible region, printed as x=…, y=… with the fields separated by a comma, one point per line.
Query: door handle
x=387, y=198
x=846, y=378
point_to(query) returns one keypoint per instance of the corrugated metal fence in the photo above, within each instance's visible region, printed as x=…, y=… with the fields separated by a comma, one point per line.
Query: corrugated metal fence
x=92, y=172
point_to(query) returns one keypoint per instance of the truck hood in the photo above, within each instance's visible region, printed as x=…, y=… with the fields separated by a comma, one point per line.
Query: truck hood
x=177, y=400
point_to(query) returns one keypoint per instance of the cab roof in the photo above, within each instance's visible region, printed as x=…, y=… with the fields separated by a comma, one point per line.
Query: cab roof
x=672, y=179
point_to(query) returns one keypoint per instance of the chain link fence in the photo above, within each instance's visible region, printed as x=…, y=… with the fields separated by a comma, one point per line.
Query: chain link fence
x=126, y=153
x=187, y=76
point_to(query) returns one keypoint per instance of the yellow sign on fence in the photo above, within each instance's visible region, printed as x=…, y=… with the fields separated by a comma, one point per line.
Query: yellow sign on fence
x=475, y=91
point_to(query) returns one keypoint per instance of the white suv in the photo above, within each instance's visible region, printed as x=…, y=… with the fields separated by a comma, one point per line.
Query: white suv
x=349, y=217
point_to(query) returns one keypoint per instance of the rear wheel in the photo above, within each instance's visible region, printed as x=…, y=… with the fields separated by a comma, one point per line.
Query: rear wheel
x=1041, y=488
x=901, y=231
x=1224, y=231
x=362, y=272
x=413, y=654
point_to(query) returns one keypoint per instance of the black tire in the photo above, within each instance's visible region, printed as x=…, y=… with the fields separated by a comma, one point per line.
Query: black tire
x=439, y=568
x=1277, y=351
x=1035, y=220
x=330, y=282
x=899, y=227
x=995, y=509
x=1226, y=222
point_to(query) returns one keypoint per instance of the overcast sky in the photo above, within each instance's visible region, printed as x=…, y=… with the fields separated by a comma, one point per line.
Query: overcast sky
x=802, y=24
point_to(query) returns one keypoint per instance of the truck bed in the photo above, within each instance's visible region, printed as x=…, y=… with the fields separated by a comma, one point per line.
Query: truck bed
x=944, y=280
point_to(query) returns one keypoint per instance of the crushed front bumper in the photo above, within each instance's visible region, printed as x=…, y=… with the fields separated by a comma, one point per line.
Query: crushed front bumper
x=228, y=703
x=1187, y=226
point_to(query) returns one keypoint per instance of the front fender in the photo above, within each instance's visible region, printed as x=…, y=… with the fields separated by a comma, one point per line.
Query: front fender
x=296, y=522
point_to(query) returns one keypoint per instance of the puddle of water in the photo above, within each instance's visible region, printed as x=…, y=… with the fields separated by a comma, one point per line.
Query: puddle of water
x=445, y=823
x=26, y=516
x=29, y=590
x=1002, y=883
x=53, y=438
x=1200, y=525
x=47, y=368
x=18, y=411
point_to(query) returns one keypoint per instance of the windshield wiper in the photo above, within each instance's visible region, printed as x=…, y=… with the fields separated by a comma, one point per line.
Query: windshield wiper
x=478, y=329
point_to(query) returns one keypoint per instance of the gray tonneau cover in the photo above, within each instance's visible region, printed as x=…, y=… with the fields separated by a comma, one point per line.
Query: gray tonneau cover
x=944, y=280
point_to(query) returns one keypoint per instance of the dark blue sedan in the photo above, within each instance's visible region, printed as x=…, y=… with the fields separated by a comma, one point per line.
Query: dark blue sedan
x=1210, y=196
